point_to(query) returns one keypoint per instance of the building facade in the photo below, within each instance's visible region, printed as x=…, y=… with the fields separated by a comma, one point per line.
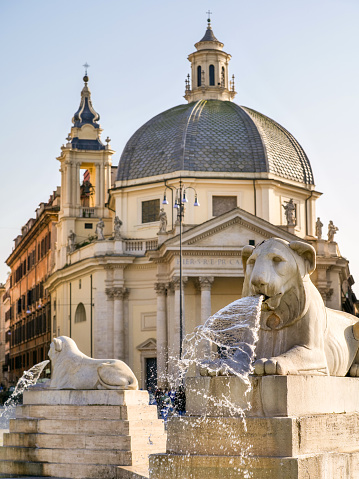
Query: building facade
x=124, y=257
x=28, y=314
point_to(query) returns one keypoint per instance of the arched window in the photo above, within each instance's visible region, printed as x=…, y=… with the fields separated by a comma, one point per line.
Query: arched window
x=80, y=314
x=199, y=75
x=211, y=75
x=223, y=78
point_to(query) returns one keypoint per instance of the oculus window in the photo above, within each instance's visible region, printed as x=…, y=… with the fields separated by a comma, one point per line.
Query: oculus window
x=222, y=204
x=150, y=211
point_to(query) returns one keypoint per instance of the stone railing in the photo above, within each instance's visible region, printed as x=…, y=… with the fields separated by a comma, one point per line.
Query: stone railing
x=134, y=247
x=87, y=212
x=139, y=246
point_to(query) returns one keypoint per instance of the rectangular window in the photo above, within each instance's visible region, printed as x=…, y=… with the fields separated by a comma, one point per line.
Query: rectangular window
x=88, y=226
x=222, y=204
x=150, y=211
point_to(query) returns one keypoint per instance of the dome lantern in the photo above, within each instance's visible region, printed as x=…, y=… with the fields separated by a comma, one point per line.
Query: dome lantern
x=209, y=67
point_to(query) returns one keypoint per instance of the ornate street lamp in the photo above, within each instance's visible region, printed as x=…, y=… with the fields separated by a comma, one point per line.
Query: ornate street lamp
x=180, y=200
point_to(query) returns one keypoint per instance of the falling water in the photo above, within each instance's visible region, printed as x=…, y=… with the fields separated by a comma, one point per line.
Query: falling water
x=224, y=346
x=29, y=378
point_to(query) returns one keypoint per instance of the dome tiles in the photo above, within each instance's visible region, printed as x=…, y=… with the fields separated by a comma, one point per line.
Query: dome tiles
x=213, y=136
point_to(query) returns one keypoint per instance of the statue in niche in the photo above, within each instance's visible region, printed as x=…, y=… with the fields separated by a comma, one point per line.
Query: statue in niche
x=289, y=211
x=71, y=369
x=117, y=227
x=332, y=229
x=99, y=230
x=71, y=242
x=297, y=333
x=163, y=222
x=318, y=228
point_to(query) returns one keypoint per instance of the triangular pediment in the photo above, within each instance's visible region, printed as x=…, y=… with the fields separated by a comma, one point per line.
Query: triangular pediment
x=148, y=345
x=231, y=230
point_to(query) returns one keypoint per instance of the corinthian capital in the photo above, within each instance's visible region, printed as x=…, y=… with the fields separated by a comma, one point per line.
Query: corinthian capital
x=176, y=281
x=117, y=292
x=205, y=282
x=160, y=288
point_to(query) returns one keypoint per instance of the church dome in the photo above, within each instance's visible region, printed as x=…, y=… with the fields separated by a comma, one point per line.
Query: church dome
x=213, y=136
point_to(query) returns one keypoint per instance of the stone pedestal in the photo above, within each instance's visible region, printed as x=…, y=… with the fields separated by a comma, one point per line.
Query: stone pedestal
x=299, y=427
x=82, y=434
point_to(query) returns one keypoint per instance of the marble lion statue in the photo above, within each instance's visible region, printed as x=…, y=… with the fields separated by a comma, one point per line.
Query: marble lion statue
x=71, y=369
x=298, y=334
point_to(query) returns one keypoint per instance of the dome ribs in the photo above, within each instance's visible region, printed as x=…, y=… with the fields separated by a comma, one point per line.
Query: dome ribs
x=213, y=136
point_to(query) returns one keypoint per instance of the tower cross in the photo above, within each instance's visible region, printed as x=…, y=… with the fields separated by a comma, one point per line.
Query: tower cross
x=86, y=66
x=209, y=13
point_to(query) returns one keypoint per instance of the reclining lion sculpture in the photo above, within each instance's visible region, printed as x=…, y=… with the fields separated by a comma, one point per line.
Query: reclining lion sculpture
x=297, y=333
x=71, y=369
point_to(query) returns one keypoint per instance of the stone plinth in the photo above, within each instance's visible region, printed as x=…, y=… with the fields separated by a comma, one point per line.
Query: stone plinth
x=82, y=434
x=273, y=396
x=299, y=427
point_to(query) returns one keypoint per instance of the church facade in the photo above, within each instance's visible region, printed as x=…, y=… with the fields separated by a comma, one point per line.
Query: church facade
x=149, y=250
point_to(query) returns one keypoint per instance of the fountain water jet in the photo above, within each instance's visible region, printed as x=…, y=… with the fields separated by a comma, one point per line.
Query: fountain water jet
x=304, y=415
x=29, y=378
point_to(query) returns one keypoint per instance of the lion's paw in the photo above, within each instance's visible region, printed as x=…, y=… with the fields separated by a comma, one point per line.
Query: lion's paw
x=271, y=366
x=354, y=371
x=213, y=368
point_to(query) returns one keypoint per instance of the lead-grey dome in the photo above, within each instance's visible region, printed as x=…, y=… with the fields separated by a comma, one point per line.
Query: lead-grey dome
x=213, y=136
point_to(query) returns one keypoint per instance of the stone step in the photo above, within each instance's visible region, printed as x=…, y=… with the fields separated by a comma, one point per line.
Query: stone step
x=75, y=456
x=132, y=472
x=281, y=436
x=88, y=441
x=316, y=466
x=85, y=397
x=84, y=426
x=87, y=412
x=60, y=471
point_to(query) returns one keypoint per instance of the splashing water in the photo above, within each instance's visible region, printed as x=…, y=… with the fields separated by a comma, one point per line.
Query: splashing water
x=224, y=346
x=29, y=378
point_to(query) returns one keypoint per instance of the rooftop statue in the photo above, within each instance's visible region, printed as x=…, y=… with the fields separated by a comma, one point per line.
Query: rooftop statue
x=290, y=212
x=71, y=369
x=319, y=228
x=332, y=230
x=117, y=228
x=297, y=333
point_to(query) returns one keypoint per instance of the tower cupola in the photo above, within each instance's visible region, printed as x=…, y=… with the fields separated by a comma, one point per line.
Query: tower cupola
x=209, y=78
x=85, y=179
x=86, y=113
x=86, y=132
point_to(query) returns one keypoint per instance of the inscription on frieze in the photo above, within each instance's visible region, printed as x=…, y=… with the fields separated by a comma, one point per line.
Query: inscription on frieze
x=210, y=261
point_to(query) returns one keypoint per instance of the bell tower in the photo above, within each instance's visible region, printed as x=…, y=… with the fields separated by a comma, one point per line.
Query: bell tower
x=209, y=78
x=85, y=179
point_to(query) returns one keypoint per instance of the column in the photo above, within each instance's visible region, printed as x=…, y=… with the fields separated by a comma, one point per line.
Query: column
x=119, y=324
x=68, y=183
x=107, y=178
x=117, y=338
x=97, y=186
x=102, y=196
x=74, y=184
x=176, y=334
x=77, y=185
x=161, y=335
x=205, y=285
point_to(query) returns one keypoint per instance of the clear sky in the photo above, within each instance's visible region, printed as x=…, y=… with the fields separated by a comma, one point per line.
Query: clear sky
x=295, y=61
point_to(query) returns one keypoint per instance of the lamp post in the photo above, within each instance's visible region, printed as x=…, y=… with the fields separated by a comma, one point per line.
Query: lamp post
x=180, y=200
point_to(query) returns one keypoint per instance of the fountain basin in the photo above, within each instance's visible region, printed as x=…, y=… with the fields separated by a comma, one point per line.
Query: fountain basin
x=297, y=427
x=272, y=396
